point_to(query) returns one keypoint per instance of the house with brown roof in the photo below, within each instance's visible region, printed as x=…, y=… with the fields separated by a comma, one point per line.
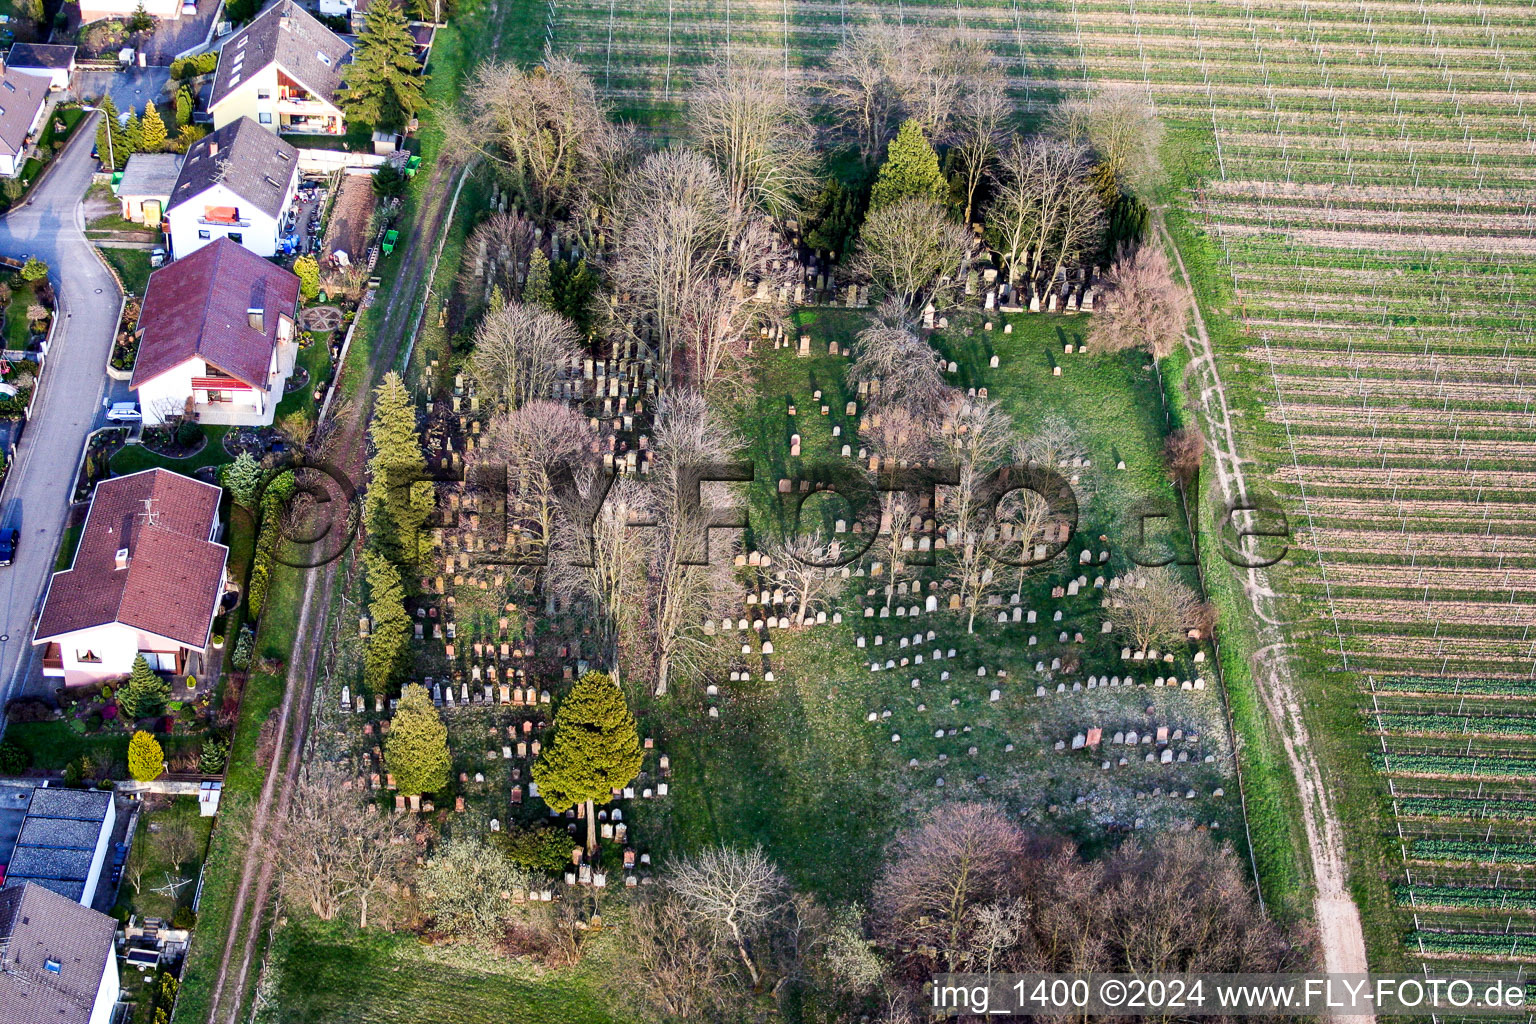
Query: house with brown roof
x=283, y=70
x=147, y=578
x=57, y=960
x=236, y=183
x=23, y=98
x=217, y=338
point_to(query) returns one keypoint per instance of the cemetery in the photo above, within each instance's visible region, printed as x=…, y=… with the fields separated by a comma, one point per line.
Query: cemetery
x=1345, y=190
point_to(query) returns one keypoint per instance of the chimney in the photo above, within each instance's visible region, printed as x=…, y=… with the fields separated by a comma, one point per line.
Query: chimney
x=213, y=147
x=120, y=560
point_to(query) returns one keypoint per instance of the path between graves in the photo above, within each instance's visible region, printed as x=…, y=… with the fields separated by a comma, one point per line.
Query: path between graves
x=419, y=250
x=1338, y=919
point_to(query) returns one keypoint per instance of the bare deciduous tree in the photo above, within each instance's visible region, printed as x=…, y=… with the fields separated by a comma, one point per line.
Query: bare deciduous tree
x=1146, y=308
x=981, y=125
x=1153, y=607
x=749, y=118
x=517, y=459
x=600, y=557
x=900, y=439
x=901, y=370
x=675, y=967
x=689, y=576
x=1045, y=212
x=801, y=570
x=545, y=127
x=859, y=86
x=1052, y=442
x=974, y=438
x=682, y=255
x=913, y=250
x=520, y=352
x=337, y=849
x=736, y=891
x=505, y=242
x=1183, y=451
x=1119, y=123
x=941, y=874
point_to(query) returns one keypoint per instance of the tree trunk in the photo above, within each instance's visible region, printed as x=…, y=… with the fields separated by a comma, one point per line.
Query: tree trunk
x=746, y=958
x=591, y=829
x=663, y=669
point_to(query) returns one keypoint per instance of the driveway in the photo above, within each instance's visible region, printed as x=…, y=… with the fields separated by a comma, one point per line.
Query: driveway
x=68, y=407
x=130, y=88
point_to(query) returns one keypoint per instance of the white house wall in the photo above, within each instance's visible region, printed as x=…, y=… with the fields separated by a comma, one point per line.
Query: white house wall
x=260, y=237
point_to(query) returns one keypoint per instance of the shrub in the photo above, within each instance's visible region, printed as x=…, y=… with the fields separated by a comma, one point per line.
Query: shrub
x=213, y=757
x=29, y=709
x=185, y=917
x=240, y=660
x=183, y=68
x=188, y=432
x=146, y=759
x=539, y=849
x=14, y=758
x=34, y=269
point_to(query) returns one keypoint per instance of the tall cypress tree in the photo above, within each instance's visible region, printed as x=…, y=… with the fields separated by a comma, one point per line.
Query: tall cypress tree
x=384, y=87
x=595, y=749
x=416, y=749
x=399, y=499
x=911, y=168
x=153, y=131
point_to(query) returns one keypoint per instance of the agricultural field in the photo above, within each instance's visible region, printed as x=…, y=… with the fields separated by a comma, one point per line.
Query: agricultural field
x=1355, y=190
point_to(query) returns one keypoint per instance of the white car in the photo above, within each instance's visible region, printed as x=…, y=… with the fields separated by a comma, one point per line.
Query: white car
x=124, y=412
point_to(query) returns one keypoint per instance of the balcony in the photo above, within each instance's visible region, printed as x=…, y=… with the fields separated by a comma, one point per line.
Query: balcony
x=53, y=660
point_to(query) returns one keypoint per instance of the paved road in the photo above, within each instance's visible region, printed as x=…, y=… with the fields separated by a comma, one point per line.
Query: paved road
x=51, y=228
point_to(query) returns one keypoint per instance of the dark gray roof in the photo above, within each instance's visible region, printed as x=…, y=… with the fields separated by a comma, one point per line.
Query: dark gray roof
x=52, y=957
x=287, y=34
x=41, y=55
x=21, y=96
x=85, y=805
x=252, y=162
x=57, y=840
x=150, y=174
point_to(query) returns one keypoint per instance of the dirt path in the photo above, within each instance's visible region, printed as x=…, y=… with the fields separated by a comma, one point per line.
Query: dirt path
x=1338, y=920
x=258, y=872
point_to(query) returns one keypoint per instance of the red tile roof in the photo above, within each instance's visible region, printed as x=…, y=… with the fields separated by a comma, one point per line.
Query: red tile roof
x=175, y=574
x=199, y=305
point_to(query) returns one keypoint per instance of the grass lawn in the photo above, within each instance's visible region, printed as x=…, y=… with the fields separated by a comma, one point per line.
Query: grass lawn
x=317, y=360
x=67, y=545
x=132, y=265
x=17, y=330
x=172, y=839
x=135, y=457
x=54, y=744
x=335, y=974
x=794, y=764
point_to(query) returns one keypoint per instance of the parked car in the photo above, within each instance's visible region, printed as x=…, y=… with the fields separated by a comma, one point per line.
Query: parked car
x=10, y=533
x=124, y=412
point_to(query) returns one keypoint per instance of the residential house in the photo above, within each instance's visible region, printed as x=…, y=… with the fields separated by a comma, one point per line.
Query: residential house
x=283, y=70
x=217, y=331
x=55, y=838
x=45, y=60
x=236, y=184
x=145, y=189
x=147, y=578
x=57, y=960
x=23, y=98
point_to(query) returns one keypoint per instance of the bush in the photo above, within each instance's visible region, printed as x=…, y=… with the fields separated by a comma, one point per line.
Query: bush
x=213, y=757
x=29, y=709
x=34, y=269
x=146, y=759
x=240, y=660
x=539, y=849
x=14, y=758
x=183, y=68
x=185, y=917
x=188, y=433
